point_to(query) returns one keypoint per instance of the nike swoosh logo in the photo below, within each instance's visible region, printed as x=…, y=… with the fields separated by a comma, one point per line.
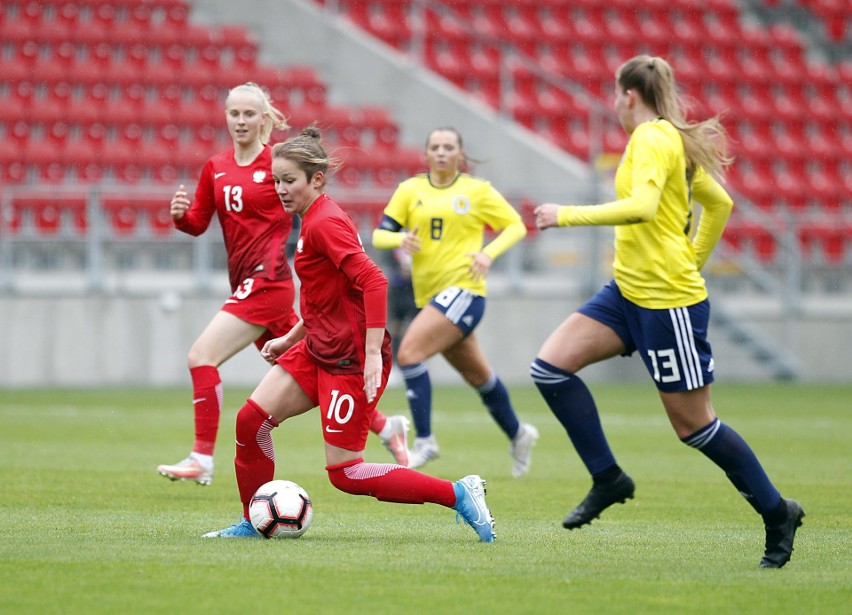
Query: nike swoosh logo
x=330, y=430
x=238, y=443
x=195, y=401
x=217, y=175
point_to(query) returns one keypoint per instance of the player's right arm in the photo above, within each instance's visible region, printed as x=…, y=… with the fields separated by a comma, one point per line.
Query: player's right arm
x=276, y=347
x=390, y=235
x=196, y=215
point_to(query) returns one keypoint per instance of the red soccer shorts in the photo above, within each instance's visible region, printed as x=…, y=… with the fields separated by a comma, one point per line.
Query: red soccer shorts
x=344, y=409
x=267, y=303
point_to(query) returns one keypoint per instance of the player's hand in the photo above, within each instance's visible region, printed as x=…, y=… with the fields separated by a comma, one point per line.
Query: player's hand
x=179, y=204
x=372, y=375
x=479, y=266
x=276, y=347
x=411, y=242
x=547, y=215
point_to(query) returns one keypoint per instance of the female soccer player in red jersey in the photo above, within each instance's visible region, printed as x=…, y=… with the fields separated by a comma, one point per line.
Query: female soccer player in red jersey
x=657, y=304
x=337, y=357
x=236, y=185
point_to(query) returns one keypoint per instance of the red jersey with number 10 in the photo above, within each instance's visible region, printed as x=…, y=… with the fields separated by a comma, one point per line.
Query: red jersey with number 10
x=254, y=224
x=343, y=292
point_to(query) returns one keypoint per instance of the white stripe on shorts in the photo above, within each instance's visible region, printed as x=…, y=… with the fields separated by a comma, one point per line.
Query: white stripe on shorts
x=686, y=350
x=460, y=306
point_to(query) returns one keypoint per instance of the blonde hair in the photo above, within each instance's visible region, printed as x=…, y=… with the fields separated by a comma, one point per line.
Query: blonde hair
x=704, y=143
x=307, y=151
x=273, y=118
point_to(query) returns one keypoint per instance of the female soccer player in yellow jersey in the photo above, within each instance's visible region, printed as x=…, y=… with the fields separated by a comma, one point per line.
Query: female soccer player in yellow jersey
x=439, y=218
x=657, y=304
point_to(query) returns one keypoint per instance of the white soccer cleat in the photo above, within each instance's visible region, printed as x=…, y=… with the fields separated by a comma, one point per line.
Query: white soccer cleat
x=397, y=442
x=521, y=449
x=425, y=450
x=188, y=469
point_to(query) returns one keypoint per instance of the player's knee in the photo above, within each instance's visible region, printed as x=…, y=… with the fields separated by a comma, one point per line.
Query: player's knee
x=405, y=356
x=251, y=419
x=413, y=370
x=340, y=479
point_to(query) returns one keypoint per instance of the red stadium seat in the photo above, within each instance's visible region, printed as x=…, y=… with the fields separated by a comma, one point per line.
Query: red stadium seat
x=52, y=108
x=380, y=124
x=53, y=214
x=138, y=216
x=305, y=80
x=388, y=21
x=88, y=153
x=25, y=25
x=588, y=24
x=176, y=15
x=448, y=59
x=824, y=189
x=93, y=106
x=754, y=239
x=522, y=25
x=824, y=242
x=59, y=65
x=340, y=126
x=555, y=22
x=12, y=168
x=26, y=56
x=122, y=217
x=441, y=28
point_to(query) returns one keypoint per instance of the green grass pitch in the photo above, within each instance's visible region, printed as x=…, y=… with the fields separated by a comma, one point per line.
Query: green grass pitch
x=87, y=526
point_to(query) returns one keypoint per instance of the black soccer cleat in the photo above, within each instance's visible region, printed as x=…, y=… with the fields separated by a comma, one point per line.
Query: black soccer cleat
x=599, y=498
x=779, y=537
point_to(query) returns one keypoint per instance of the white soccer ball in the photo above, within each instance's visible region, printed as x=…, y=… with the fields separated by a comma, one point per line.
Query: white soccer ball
x=281, y=509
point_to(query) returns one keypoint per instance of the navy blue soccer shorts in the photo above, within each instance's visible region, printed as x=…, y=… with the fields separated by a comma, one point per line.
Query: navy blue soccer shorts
x=672, y=342
x=462, y=307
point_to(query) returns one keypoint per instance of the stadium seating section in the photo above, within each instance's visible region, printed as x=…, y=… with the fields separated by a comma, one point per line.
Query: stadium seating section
x=790, y=119
x=131, y=92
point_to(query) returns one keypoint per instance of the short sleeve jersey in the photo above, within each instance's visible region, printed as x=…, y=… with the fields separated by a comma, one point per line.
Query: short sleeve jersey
x=655, y=262
x=450, y=222
x=331, y=304
x=254, y=224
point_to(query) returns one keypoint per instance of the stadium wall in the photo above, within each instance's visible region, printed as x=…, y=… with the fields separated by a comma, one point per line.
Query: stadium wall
x=142, y=341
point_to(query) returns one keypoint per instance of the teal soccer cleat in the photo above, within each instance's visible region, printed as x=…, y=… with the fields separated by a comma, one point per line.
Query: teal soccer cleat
x=242, y=529
x=470, y=504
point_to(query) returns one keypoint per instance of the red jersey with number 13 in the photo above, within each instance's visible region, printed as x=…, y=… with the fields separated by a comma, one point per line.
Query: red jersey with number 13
x=254, y=224
x=343, y=292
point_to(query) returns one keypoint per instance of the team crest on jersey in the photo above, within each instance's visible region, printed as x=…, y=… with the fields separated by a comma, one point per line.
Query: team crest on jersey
x=259, y=176
x=461, y=204
x=299, y=245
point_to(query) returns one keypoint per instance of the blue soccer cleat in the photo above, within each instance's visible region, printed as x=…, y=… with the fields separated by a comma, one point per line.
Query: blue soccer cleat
x=242, y=529
x=470, y=504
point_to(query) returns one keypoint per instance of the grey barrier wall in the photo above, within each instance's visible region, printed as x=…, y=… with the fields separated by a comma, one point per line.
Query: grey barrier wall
x=143, y=341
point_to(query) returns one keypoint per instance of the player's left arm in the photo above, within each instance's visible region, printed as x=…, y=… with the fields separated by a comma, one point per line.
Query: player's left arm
x=716, y=205
x=498, y=213
x=367, y=276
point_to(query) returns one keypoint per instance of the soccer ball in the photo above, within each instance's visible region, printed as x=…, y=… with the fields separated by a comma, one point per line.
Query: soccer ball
x=281, y=509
